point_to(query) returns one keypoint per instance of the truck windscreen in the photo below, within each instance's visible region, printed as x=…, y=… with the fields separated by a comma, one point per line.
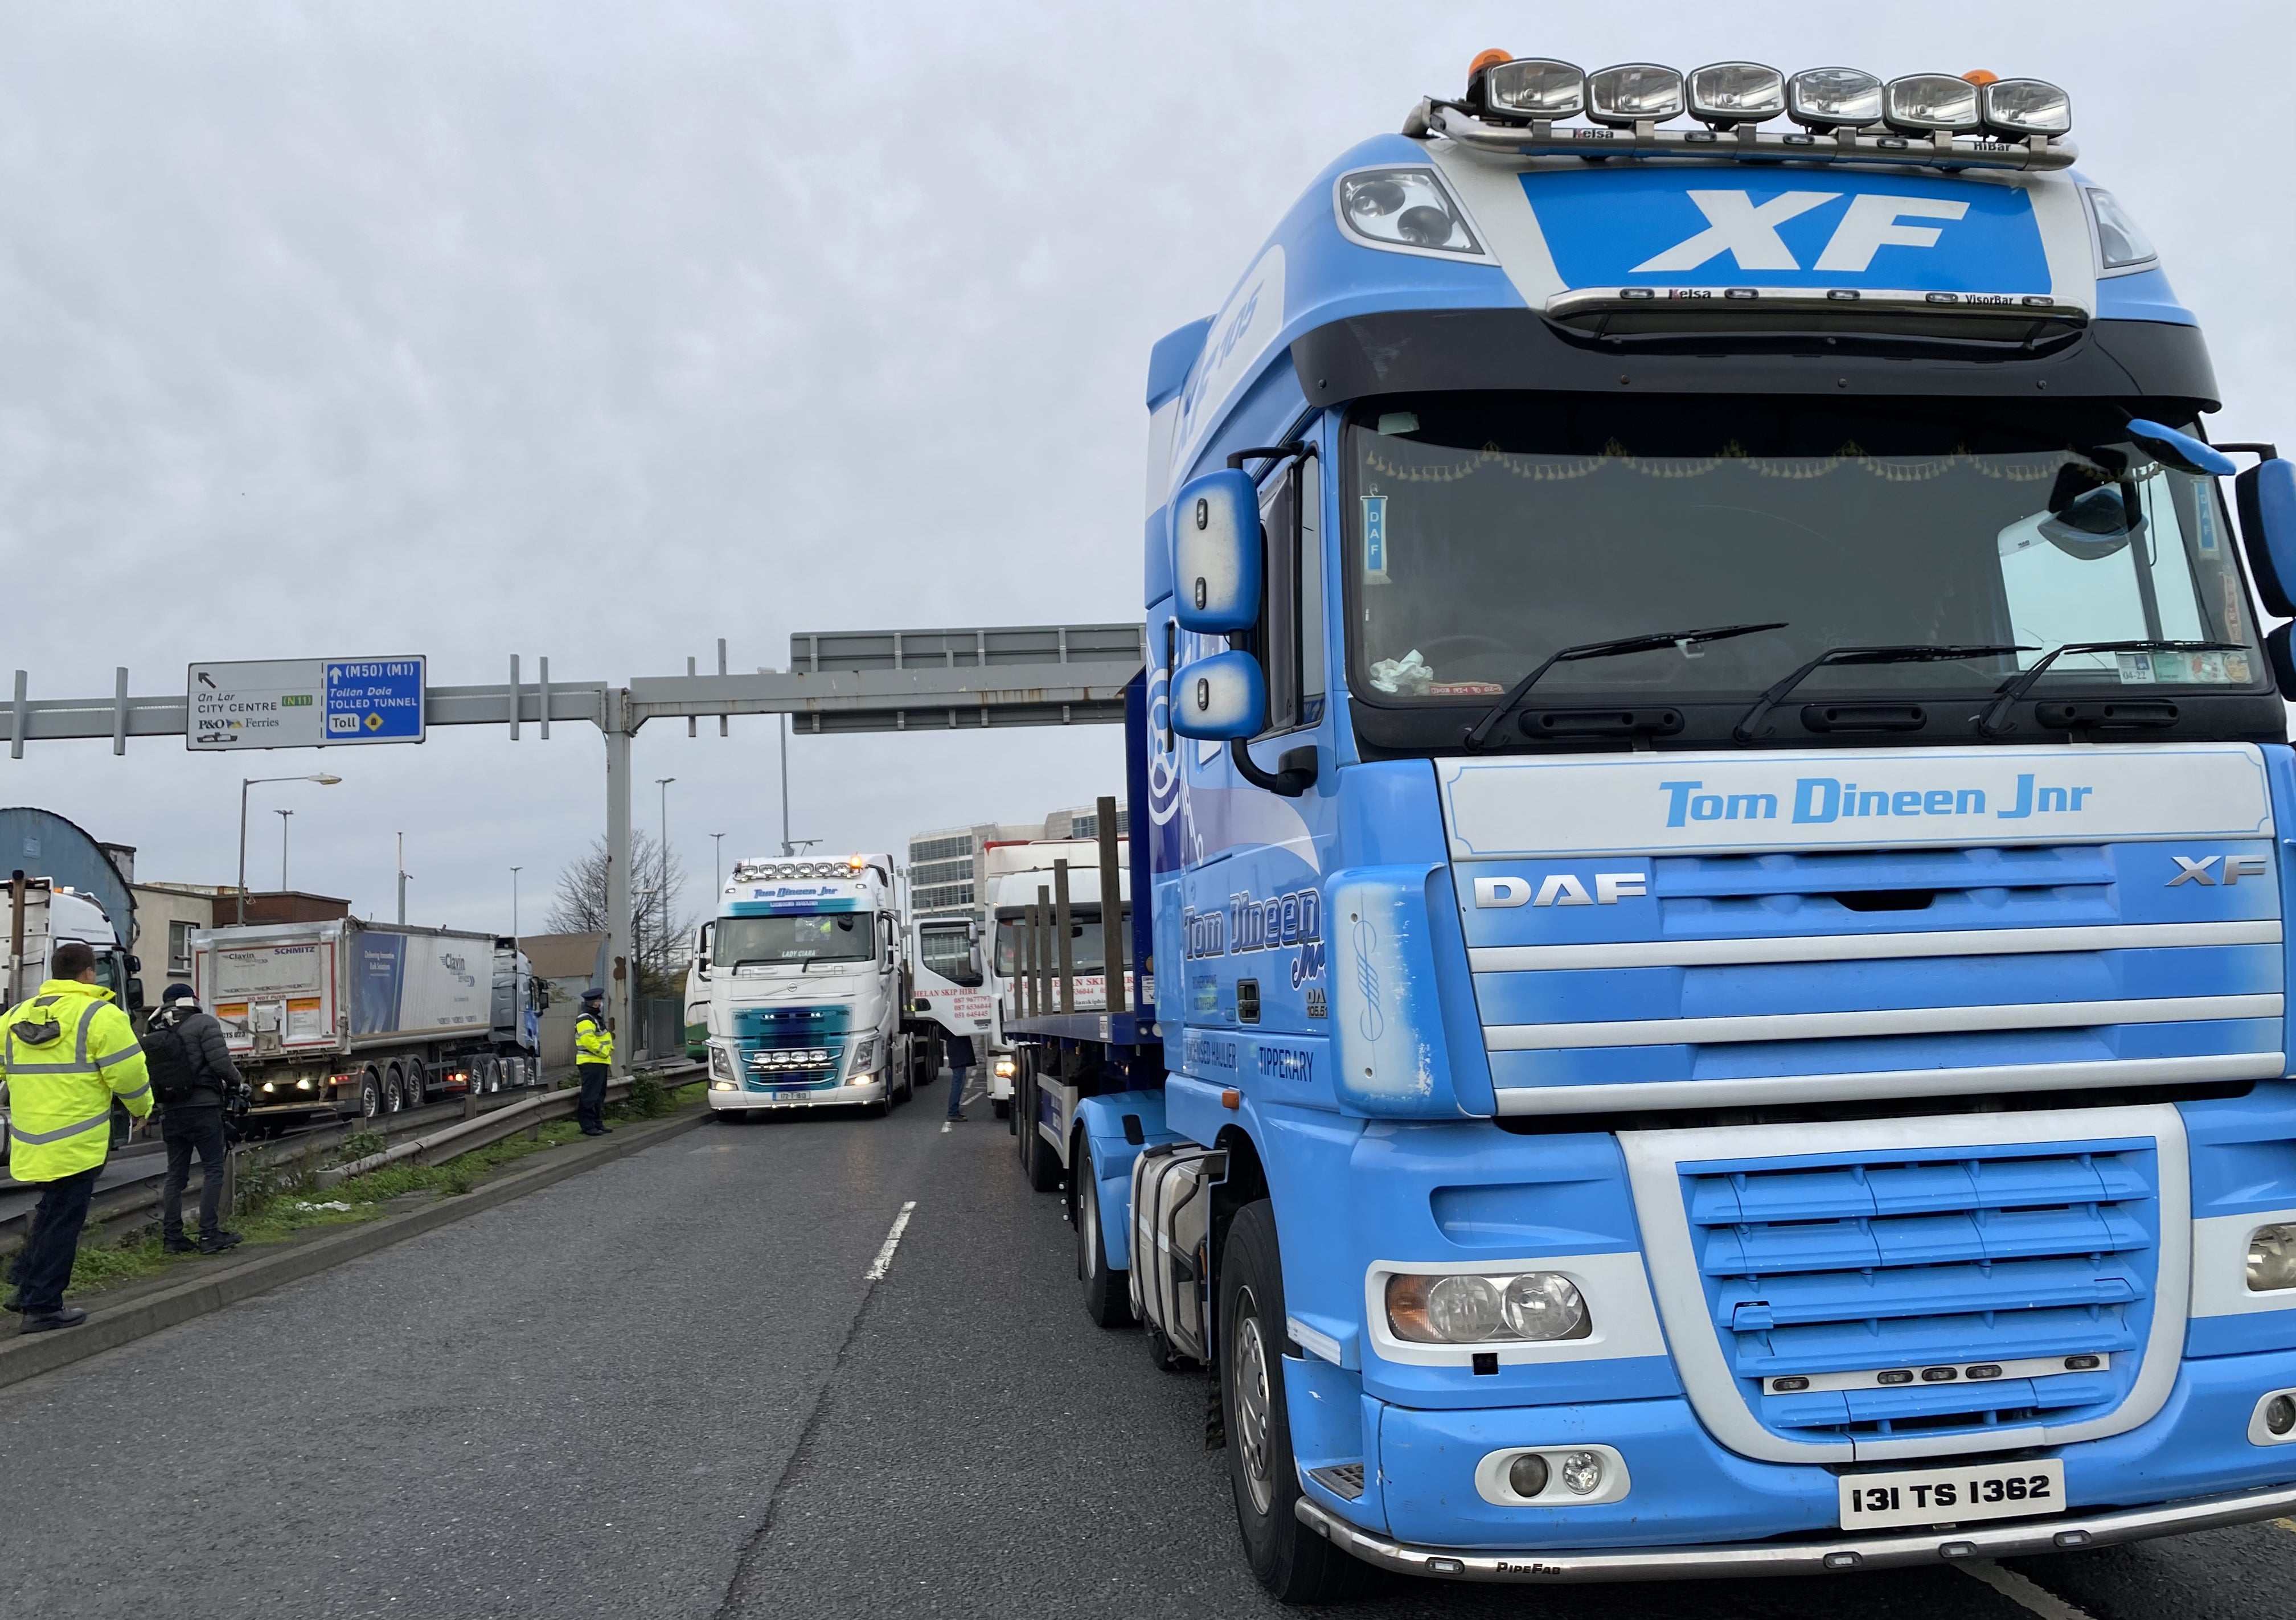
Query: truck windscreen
x=1487, y=531
x=748, y=942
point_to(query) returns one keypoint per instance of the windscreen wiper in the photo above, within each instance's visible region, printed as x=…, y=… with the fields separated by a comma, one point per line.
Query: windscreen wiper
x=1997, y=711
x=1479, y=733
x=1944, y=654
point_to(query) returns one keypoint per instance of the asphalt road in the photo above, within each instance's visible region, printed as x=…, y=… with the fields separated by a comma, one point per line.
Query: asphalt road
x=666, y=1388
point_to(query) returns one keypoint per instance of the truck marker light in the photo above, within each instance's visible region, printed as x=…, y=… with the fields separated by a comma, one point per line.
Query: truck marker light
x=1726, y=94
x=1535, y=88
x=2083, y=1364
x=1582, y=1473
x=2272, y=1258
x=2280, y=1414
x=1634, y=93
x=1939, y=1375
x=1526, y=1475
x=1833, y=98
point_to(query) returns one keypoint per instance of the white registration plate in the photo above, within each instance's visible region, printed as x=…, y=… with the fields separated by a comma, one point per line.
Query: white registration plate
x=1951, y=1495
x=795, y=1096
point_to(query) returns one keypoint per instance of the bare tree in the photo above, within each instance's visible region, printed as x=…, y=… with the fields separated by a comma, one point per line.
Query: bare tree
x=664, y=929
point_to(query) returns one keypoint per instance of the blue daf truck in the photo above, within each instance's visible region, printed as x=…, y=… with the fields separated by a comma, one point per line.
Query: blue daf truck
x=1710, y=775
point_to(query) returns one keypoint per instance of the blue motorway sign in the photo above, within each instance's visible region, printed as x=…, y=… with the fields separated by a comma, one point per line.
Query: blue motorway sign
x=374, y=700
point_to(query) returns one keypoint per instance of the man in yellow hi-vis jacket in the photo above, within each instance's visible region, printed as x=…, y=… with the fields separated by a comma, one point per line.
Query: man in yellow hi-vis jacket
x=66, y=1053
x=594, y=1060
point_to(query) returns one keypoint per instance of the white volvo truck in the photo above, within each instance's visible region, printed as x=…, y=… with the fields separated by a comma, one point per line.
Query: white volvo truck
x=807, y=987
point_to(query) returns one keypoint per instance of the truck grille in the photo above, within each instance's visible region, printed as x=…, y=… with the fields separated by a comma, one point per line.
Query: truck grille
x=1930, y=1294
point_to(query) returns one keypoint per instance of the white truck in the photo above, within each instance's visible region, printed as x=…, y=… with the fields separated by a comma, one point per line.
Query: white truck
x=1025, y=875
x=950, y=993
x=365, y=1019
x=807, y=984
x=43, y=914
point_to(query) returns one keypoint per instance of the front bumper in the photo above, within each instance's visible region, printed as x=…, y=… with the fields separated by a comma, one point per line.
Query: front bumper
x=2019, y=1538
x=874, y=1090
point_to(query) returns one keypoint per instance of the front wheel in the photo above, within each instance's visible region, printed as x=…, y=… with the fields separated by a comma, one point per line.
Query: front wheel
x=1291, y=1561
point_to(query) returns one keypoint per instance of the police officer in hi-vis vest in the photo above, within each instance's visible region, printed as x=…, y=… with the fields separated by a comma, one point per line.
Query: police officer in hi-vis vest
x=65, y=1054
x=594, y=1060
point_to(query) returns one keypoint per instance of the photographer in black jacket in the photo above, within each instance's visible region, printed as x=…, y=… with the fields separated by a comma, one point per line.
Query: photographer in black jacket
x=193, y=1080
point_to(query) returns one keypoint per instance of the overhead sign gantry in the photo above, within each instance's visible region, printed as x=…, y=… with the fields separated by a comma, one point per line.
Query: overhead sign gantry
x=842, y=680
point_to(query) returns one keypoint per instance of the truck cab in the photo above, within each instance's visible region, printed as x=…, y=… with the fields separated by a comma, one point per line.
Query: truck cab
x=804, y=966
x=1715, y=813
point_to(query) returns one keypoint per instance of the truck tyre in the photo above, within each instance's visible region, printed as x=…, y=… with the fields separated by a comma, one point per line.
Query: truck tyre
x=1291, y=1561
x=1001, y=1106
x=370, y=1103
x=394, y=1091
x=1107, y=1293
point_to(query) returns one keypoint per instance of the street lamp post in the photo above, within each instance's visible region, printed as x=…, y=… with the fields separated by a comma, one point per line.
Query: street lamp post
x=320, y=777
x=717, y=858
x=283, y=816
x=662, y=896
x=513, y=906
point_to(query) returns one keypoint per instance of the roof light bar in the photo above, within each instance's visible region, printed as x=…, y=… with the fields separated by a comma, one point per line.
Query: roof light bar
x=1726, y=94
x=1634, y=93
x=1969, y=121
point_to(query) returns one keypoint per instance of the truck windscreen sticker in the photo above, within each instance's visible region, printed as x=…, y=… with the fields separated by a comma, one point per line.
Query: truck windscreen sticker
x=1879, y=798
x=1625, y=227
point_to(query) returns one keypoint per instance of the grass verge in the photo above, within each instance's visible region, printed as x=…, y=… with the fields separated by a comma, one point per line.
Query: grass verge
x=277, y=1204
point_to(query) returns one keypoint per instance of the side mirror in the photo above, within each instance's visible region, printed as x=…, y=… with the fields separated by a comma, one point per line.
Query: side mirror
x=134, y=963
x=2266, y=496
x=135, y=993
x=2181, y=451
x=1220, y=697
x=1217, y=554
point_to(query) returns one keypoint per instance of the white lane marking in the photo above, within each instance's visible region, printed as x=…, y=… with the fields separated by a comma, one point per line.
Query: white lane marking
x=947, y=1125
x=2286, y=1524
x=876, y=1273
x=2023, y=1593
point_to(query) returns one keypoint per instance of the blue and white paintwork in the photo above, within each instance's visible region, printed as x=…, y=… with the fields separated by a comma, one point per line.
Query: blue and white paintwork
x=1437, y=945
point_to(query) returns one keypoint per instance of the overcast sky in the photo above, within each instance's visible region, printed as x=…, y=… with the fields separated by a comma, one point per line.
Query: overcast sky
x=600, y=332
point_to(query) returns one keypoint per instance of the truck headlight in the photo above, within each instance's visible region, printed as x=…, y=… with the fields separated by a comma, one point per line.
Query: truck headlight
x=1404, y=207
x=1461, y=1308
x=865, y=1056
x=2271, y=1258
x=721, y=1063
x=1006, y=1068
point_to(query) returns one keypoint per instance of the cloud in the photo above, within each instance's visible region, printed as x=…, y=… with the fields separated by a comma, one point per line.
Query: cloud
x=601, y=332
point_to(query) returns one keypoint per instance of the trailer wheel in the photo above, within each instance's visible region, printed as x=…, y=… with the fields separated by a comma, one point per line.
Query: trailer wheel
x=1291, y=1561
x=370, y=1103
x=1107, y=1293
x=394, y=1091
x=417, y=1084
x=1001, y=1106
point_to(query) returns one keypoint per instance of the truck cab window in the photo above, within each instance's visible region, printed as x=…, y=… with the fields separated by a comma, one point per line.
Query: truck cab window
x=949, y=953
x=1290, y=636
